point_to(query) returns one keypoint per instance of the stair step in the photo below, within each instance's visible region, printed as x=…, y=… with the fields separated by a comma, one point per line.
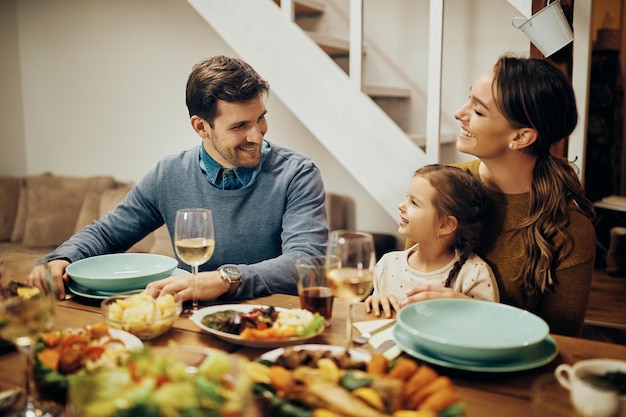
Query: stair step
x=381, y=91
x=307, y=7
x=331, y=45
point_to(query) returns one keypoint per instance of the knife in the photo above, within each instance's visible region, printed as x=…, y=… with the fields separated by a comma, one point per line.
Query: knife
x=385, y=346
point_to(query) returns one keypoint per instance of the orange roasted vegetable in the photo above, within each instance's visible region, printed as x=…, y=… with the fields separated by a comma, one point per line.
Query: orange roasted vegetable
x=270, y=333
x=281, y=378
x=441, y=382
x=49, y=358
x=98, y=330
x=51, y=339
x=422, y=377
x=378, y=364
x=93, y=352
x=439, y=400
x=403, y=369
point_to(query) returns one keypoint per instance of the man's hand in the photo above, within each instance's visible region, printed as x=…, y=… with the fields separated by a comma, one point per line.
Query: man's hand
x=373, y=303
x=210, y=285
x=37, y=277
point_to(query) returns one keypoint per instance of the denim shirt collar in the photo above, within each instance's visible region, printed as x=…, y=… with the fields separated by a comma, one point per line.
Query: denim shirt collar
x=214, y=172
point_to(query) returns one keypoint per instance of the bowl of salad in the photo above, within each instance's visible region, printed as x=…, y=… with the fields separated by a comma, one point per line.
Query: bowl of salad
x=175, y=381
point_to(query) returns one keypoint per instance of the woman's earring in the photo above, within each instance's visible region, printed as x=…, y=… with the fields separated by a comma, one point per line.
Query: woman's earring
x=510, y=145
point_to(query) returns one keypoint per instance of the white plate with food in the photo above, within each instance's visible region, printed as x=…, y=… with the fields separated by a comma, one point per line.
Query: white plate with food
x=235, y=323
x=80, y=344
x=131, y=341
x=308, y=377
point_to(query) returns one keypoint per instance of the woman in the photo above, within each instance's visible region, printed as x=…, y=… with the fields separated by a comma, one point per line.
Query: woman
x=538, y=237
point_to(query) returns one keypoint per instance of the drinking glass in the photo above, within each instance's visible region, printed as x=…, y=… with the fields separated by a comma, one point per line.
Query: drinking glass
x=313, y=287
x=353, y=279
x=25, y=313
x=194, y=241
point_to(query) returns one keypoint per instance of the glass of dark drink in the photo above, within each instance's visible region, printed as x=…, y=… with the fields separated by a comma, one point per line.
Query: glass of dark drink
x=313, y=287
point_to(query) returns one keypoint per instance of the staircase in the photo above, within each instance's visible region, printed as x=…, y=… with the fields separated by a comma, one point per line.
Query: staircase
x=327, y=23
x=376, y=132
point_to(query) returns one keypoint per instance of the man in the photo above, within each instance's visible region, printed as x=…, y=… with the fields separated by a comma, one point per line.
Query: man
x=267, y=201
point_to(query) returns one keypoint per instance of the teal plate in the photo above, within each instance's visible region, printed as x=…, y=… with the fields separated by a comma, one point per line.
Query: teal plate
x=84, y=292
x=540, y=355
x=472, y=330
x=120, y=272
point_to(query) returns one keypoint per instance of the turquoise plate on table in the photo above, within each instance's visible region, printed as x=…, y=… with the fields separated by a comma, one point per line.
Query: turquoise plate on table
x=121, y=271
x=472, y=330
x=543, y=353
x=84, y=292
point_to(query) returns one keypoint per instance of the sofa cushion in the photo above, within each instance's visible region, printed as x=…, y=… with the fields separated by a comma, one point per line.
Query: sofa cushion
x=9, y=198
x=53, y=205
x=109, y=200
x=89, y=210
x=17, y=234
x=162, y=242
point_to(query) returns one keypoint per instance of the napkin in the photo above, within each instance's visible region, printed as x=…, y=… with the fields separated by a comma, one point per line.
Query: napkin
x=379, y=338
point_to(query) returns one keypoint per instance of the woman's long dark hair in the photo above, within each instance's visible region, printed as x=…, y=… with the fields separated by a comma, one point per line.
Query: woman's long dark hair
x=461, y=195
x=534, y=93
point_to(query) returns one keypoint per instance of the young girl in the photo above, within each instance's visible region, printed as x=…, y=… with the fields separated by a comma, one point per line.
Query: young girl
x=443, y=215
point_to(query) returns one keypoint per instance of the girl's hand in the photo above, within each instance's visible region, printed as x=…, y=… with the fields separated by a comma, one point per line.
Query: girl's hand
x=430, y=292
x=373, y=303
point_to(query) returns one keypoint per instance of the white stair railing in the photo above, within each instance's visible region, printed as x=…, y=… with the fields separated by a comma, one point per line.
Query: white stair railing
x=435, y=52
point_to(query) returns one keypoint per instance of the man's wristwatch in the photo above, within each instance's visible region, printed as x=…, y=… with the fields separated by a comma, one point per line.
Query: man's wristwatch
x=232, y=275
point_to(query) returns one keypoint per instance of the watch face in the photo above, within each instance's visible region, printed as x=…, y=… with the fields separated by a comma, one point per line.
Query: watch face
x=231, y=271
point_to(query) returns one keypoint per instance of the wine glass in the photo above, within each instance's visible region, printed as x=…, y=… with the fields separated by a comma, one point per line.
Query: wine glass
x=354, y=278
x=194, y=241
x=25, y=313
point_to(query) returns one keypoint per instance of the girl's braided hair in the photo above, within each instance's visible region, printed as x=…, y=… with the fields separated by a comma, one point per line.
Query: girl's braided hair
x=462, y=196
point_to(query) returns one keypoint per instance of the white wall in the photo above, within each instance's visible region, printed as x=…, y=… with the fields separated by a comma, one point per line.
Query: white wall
x=476, y=33
x=12, y=144
x=93, y=88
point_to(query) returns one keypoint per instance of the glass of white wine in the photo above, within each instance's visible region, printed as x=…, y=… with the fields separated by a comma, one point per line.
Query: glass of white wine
x=25, y=313
x=354, y=279
x=194, y=241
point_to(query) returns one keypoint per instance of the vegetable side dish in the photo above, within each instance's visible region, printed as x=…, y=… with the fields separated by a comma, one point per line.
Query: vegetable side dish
x=320, y=387
x=64, y=352
x=153, y=385
x=266, y=323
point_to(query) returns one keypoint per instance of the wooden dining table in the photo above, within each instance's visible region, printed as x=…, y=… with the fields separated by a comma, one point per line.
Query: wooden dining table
x=485, y=394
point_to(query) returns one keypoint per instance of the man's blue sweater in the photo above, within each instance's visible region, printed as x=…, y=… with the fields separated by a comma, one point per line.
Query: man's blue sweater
x=261, y=228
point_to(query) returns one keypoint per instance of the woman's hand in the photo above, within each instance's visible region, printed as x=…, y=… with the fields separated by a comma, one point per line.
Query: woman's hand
x=430, y=292
x=373, y=303
x=37, y=277
x=209, y=286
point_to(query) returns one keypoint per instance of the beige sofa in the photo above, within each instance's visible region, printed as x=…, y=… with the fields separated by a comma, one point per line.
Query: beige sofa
x=38, y=213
